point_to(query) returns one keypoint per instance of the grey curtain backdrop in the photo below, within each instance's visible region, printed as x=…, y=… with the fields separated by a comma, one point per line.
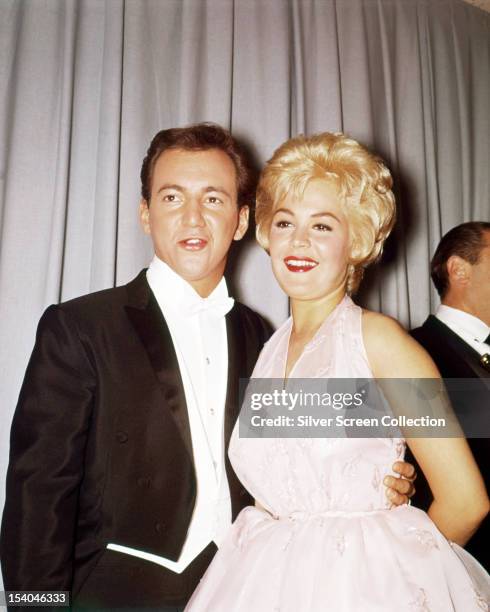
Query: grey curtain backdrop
x=85, y=84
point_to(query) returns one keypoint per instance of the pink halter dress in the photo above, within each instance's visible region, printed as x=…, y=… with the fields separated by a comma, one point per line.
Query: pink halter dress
x=326, y=538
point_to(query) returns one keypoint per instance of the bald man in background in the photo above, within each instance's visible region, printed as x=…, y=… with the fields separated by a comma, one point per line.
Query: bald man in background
x=458, y=339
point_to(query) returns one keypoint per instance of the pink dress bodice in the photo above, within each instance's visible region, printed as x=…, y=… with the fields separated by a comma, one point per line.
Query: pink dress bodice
x=317, y=475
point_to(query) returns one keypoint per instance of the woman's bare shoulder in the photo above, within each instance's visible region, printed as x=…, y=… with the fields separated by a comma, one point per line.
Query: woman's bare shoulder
x=392, y=352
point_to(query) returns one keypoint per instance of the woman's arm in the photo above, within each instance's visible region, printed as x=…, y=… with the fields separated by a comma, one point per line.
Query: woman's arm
x=460, y=499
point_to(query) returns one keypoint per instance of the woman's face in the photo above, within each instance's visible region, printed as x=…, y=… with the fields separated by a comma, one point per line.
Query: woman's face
x=309, y=242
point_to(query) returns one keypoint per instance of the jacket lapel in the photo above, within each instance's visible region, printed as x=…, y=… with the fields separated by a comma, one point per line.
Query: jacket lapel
x=468, y=357
x=236, y=370
x=150, y=325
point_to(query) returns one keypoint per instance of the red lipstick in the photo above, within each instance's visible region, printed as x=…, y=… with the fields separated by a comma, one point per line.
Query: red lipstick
x=300, y=264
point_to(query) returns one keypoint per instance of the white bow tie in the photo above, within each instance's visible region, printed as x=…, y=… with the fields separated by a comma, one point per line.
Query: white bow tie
x=216, y=306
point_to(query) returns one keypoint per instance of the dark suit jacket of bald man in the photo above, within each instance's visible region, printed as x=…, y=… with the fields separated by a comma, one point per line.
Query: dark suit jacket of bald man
x=456, y=359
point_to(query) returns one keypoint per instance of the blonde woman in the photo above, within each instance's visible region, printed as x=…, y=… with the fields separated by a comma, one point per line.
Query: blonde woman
x=322, y=535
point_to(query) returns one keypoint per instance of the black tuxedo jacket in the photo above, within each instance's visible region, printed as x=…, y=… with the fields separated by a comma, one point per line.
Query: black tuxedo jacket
x=101, y=448
x=456, y=359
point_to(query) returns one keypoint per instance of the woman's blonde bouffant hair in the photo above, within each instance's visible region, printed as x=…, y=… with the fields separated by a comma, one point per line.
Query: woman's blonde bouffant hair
x=364, y=184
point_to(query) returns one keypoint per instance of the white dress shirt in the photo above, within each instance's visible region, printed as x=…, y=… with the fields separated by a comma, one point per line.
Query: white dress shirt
x=469, y=328
x=198, y=329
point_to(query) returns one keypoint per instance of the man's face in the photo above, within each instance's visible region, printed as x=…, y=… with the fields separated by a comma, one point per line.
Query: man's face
x=479, y=283
x=193, y=214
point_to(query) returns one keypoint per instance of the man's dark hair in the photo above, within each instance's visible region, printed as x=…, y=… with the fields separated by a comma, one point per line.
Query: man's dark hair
x=467, y=241
x=201, y=137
